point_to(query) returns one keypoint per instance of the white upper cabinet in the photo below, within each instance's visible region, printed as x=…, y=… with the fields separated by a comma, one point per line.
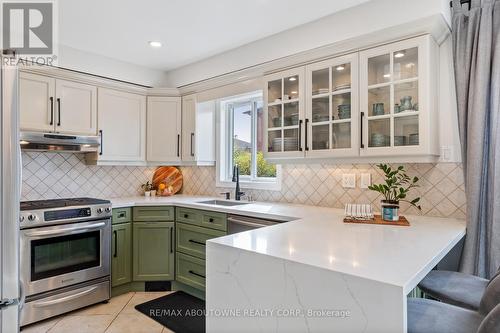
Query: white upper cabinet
x=76, y=108
x=189, y=138
x=381, y=102
x=122, y=126
x=398, y=84
x=284, y=115
x=332, y=112
x=164, y=118
x=37, y=102
x=53, y=105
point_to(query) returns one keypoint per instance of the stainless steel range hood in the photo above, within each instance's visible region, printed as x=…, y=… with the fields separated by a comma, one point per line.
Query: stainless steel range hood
x=33, y=141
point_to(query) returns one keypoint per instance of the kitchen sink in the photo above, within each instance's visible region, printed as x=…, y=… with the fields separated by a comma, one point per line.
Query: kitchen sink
x=222, y=203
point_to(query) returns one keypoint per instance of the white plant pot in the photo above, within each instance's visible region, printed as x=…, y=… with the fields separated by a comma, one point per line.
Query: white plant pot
x=147, y=193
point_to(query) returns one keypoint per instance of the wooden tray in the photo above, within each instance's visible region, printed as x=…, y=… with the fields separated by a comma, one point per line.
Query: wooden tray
x=378, y=220
x=172, y=179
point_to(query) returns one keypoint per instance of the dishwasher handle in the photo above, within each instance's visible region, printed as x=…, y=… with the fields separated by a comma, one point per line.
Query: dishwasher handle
x=248, y=223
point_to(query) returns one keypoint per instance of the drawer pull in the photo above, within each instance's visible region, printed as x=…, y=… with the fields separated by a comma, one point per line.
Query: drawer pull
x=121, y=215
x=186, y=216
x=197, y=274
x=211, y=220
x=196, y=242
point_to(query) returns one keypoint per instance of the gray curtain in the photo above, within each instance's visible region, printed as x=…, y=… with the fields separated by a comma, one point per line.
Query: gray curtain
x=476, y=51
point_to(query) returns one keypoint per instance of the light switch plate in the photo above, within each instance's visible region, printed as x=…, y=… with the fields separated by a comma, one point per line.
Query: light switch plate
x=366, y=180
x=349, y=180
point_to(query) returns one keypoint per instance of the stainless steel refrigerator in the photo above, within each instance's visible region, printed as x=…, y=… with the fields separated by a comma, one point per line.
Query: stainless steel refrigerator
x=10, y=184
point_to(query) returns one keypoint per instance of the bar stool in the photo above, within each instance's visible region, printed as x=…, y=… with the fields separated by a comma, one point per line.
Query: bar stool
x=455, y=288
x=427, y=316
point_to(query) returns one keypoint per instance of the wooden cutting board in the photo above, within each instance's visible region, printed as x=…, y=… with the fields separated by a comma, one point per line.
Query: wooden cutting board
x=170, y=177
x=378, y=220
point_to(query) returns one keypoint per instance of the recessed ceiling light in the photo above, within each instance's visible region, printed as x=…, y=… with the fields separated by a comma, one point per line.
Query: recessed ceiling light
x=387, y=75
x=340, y=68
x=23, y=142
x=399, y=54
x=293, y=92
x=154, y=43
x=293, y=78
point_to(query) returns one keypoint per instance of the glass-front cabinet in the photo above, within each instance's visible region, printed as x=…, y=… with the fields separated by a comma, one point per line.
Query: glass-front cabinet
x=284, y=100
x=398, y=111
x=380, y=102
x=332, y=114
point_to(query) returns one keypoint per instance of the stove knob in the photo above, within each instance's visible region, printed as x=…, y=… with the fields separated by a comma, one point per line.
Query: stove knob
x=99, y=210
x=31, y=217
x=108, y=210
x=21, y=218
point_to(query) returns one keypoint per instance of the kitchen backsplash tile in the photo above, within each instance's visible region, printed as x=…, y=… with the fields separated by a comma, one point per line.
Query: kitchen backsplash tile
x=57, y=175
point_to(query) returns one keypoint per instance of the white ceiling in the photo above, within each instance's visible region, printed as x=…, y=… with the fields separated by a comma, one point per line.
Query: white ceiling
x=190, y=30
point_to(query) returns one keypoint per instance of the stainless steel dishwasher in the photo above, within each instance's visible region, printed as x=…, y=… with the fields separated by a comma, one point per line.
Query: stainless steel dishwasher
x=238, y=223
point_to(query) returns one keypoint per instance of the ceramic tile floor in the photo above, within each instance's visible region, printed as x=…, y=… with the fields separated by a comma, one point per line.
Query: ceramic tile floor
x=117, y=316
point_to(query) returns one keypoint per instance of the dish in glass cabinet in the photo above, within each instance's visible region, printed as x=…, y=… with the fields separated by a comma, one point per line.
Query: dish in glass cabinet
x=321, y=91
x=342, y=87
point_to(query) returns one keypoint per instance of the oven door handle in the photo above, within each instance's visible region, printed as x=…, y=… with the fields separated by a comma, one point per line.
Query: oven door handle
x=64, y=299
x=246, y=223
x=65, y=231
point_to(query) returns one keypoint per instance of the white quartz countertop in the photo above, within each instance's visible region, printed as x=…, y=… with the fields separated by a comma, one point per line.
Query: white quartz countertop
x=317, y=236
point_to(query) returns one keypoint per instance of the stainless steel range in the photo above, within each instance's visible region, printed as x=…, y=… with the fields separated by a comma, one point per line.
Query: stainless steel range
x=65, y=255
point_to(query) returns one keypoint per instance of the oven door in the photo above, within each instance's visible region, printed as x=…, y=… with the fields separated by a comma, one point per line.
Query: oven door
x=59, y=256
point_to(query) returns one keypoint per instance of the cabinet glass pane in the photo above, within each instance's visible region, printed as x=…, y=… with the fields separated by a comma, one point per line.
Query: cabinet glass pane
x=406, y=64
x=291, y=114
x=320, y=109
x=341, y=77
x=379, y=101
x=379, y=69
x=291, y=88
x=406, y=131
x=379, y=132
x=341, y=106
x=406, y=97
x=341, y=136
x=320, y=80
x=320, y=137
x=291, y=140
x=274, y=116
x=275, y=141
x=274, y=91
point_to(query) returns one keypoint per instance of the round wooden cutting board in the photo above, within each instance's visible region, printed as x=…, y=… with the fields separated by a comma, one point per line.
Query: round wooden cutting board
x=167, y=180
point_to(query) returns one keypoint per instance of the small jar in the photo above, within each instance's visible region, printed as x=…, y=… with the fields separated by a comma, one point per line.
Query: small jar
x=390, y=210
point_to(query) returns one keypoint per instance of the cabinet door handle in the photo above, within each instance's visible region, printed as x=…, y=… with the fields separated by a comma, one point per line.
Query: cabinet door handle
x=196, y=242
x=58, y=112
x=51, y=110
x=362, y=145
x=300, y=134
x=101, y=145
x=307, y=122
x=197, y=274
x=171, y=240
x=192, y=139
x=178, y=145
x=116, y=242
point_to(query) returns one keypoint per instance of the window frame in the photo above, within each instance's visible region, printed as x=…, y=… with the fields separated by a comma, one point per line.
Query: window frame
x=225, y=135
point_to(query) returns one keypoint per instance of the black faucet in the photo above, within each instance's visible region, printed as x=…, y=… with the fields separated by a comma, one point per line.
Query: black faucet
x=236, y=179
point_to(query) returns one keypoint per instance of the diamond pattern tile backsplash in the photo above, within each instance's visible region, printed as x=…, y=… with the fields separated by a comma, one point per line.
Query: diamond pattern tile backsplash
x=60, y=175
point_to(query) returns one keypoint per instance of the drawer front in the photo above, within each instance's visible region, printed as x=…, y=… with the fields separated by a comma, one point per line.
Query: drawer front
x=188, y=215
x=147, y=214
x=191, y=239
x=214, y=220
x=122, y=215
x=190, y=271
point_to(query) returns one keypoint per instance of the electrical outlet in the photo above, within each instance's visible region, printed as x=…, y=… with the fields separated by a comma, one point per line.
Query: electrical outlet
x=366, y=180
x=349, y=180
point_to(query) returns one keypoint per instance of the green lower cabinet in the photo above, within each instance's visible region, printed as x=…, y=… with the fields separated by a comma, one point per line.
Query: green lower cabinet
x=121, y=254
x=153, y=251
x=191, y=239
x=190, y=271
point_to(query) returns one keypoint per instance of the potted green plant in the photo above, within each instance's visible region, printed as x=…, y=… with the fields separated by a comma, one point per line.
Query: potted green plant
x=395, y=190
x=147, y=188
